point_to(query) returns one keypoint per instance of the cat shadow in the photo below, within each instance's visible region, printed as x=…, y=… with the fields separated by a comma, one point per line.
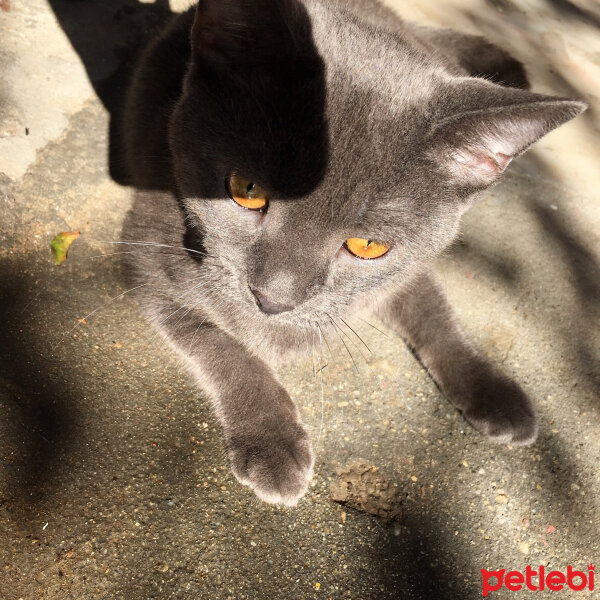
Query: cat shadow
x=108, y=35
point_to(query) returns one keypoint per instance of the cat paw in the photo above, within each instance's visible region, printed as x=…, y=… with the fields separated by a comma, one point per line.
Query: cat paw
x=502, y=411
x=276, y=463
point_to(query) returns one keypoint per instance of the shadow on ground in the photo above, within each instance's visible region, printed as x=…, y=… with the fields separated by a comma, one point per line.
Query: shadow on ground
x=41, y=407
x=114, y=479
x=108, y=35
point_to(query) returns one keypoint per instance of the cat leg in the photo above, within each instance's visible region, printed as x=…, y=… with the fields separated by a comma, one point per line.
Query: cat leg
x=268, y=448
x=494, y=404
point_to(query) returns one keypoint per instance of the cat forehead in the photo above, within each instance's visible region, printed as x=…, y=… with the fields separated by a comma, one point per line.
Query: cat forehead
x=359, y=57
x=352, y=106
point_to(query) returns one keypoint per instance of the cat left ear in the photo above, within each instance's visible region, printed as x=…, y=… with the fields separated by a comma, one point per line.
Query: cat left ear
x=475, y=145
x=247, y=32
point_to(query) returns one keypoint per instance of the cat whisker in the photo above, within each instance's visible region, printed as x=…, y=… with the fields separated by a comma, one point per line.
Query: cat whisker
x=204, y=281
x=111, y=254
x=350, y=340
x=195, y=306
x=195, y=334
x=200, y=325
x=86, y=317
x=182, y=307
x=157, y=327
x=373, y=326
x=201, y=322
x=321, y=367
x=147, y=243
x=356, y=334
x=204, y=261
x=163, y=321
x=313, y=355
x=104, y=305
x=305, y=331
x=322, y=333
x=344, y=343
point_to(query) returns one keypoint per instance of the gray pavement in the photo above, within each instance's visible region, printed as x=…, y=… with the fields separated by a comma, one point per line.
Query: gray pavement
x=113, y=481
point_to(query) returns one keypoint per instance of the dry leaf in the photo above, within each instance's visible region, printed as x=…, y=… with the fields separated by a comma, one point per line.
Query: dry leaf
x=60, y=245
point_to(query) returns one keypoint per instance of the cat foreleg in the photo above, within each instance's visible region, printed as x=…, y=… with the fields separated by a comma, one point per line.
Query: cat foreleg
x=268, y=448
x=494, y=404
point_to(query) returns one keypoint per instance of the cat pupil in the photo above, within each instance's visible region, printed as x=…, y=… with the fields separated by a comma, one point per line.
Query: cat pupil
x=249, y=187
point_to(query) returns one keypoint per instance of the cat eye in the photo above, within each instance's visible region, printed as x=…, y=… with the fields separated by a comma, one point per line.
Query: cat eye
x=246, y=193
x=366, y=249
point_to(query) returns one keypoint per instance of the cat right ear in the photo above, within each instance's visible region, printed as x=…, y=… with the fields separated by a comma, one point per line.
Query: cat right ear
x=494, y=125
x=246, y=32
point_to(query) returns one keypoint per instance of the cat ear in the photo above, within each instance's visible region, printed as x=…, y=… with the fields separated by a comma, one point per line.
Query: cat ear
x=490, y=125
x=247, y=32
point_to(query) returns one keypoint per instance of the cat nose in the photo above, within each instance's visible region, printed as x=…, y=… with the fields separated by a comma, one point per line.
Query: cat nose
x=268, y=306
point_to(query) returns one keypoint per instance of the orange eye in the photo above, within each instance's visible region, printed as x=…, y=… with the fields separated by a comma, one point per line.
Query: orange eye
x=366, y=249
x=246, y=193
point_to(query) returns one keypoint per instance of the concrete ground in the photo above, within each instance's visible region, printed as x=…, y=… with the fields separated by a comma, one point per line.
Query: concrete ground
x=113, y=482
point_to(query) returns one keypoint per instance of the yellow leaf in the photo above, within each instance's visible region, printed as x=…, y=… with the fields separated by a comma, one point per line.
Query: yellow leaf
x=60, y=245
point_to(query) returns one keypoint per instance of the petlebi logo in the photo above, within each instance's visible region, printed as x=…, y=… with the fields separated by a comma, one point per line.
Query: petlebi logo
x=538, y=581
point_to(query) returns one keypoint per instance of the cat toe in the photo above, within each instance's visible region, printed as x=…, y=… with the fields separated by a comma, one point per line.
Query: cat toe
x=286, y=490
x=504, y=414
x=521, y=431
x=278, y=471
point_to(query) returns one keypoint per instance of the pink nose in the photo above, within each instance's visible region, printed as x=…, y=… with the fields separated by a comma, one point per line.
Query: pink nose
x=268, y=306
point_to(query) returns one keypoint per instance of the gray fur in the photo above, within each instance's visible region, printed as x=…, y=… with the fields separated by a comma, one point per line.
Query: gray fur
x=358, y=125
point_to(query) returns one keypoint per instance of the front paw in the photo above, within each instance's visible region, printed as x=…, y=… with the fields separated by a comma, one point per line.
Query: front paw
x=500, y=409
x=273, y=458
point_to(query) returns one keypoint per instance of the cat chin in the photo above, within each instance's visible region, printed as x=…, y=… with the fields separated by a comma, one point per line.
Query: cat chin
x=284, y=342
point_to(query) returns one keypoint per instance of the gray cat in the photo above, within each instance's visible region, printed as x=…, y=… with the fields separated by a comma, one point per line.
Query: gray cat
x=301, y=162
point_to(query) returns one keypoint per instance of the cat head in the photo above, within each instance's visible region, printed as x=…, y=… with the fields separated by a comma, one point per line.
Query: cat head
x=324, y=159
